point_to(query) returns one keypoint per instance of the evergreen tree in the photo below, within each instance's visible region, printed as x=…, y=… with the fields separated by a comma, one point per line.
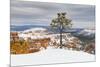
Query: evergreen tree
x=61, y=22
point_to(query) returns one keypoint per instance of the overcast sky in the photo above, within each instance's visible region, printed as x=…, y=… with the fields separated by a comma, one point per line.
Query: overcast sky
x=40, y=13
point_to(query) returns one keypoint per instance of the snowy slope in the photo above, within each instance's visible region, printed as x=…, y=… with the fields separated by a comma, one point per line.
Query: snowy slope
x=35, y=29
x=50, y=56
x=34, y=33
x=88, y=33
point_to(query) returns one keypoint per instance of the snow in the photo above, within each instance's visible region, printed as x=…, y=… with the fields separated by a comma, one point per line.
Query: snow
x=51, y=55
x=34, y=33
x=35, y=29
x=40, y=32
x=87, y=32
x=25, y=36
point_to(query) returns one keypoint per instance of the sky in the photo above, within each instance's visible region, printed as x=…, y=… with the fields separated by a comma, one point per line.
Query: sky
x=41, y=13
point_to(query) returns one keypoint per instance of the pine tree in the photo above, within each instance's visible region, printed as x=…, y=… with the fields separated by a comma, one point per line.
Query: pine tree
x=61, y=22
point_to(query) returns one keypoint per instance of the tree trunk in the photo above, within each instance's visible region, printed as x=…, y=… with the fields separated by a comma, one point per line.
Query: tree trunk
x=61, y=40
x=61, y=45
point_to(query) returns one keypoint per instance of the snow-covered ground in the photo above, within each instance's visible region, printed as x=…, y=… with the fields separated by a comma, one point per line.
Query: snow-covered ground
x=51, y=56
x=44, y=33
x=34, y=33
x=86, y=32
x=35, y=29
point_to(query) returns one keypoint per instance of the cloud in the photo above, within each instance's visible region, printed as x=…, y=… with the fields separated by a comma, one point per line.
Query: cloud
x=26, y=12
